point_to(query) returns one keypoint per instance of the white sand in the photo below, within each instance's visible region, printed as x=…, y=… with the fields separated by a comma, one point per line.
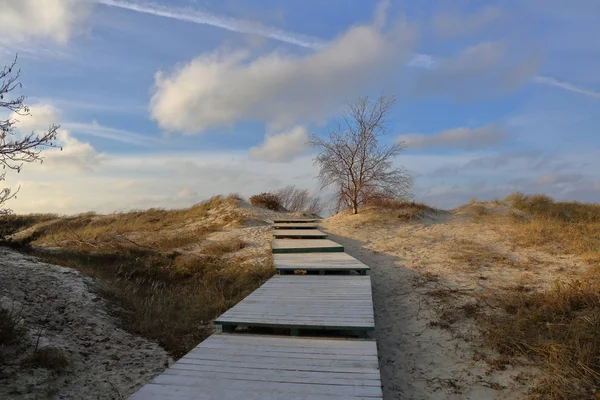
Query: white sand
x=105, y=361
x=409, y=261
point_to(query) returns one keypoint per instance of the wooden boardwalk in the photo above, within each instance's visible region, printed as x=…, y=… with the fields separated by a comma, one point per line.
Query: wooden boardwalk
x=295, y=220
x=244, y=366
x=294, y=225
x=305, y=246
x=298, y=234
x=313, y=302
x=319, y=262
x=252, y=367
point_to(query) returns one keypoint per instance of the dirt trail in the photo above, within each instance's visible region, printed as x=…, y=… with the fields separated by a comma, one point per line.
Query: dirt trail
x=420, y=357
x=57, y=305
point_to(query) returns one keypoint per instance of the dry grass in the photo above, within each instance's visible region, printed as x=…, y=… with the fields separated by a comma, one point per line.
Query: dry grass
x=558, y=227
x=406, y=210
x=472, y=255
x=222, y=247
x=159, y=289
x=558, y=327
x=155, y=229
x=11, y=223
x=51, y=358
x=11, y=328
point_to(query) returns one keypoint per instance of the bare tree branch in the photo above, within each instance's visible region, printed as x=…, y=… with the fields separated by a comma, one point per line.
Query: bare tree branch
x=353, y=159
x=17, y=148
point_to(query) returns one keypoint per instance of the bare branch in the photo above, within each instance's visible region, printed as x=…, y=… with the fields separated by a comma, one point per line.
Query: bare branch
x=353, y=159
x=15, y=148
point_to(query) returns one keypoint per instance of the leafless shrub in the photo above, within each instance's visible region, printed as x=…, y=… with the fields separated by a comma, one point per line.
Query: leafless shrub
x=269, y=201
x=294, y=199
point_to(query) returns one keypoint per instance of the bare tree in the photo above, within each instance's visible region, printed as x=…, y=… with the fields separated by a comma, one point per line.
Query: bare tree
x=15, y=148
x=294, y=199
x=355, y=162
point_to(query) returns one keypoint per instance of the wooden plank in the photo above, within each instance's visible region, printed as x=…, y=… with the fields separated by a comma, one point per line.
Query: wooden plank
x=318, y=262
x=298, y=234
x=294, y=225
x=279, y=246
x=307, y=302
x=248, y=370
x=295, y=220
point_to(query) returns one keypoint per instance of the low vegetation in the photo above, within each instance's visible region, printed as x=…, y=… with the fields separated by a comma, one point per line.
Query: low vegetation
x=165, y=280
x=294, y=199
x=472, y=255
x=558, y=327
x=269, y=201
x=50, y=358
x=559, y=227
x=11, y=328
x=406, y=210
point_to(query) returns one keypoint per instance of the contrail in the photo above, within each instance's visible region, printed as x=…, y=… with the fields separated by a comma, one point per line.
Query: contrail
x=219, y=21
x=566, y=85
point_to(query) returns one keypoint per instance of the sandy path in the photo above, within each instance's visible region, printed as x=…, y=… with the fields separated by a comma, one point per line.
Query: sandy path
x=105, y=361
x=418, y=360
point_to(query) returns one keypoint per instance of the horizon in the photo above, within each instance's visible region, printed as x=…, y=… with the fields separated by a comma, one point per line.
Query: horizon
x=164, y=104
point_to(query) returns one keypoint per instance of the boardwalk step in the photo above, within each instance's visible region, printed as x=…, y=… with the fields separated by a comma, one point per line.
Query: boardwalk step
x=257, y=367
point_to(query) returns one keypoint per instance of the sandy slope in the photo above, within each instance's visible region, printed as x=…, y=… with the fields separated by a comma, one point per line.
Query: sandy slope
x=105, y=361
x=411, y=268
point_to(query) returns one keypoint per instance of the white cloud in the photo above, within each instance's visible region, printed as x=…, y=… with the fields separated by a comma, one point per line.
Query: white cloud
x=457, y=138
x=40, y=118
x=22, y=20
x=218, y=21
x=281, y=147
x=105, y=132
x=544, y=80
x=480, y=69
x=448, y=24
x=73, y=155
x=225, y=87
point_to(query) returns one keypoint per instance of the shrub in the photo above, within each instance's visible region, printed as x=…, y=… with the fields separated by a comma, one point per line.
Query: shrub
x=11, y=331
x=50, y=358
x=267, y=200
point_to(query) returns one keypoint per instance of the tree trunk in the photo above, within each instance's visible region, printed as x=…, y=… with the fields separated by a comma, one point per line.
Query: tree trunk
x=354, y=207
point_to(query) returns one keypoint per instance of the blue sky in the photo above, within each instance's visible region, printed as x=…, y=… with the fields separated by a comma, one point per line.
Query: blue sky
x=165, y=103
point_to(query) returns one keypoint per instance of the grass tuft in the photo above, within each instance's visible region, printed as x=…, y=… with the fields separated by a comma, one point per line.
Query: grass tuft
x=50, y=358
x=11, y=329
x=560, y=328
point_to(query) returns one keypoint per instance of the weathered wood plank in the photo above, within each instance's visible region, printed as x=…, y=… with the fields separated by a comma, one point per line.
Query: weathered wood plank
x=294, y=225
x=306, y=302
x=279, y=246
x=295, y=220
x=298, y=234
x=249, y=372
x=318, y=262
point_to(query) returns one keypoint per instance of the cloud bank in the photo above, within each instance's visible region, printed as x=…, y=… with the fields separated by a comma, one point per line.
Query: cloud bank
x=224, y=87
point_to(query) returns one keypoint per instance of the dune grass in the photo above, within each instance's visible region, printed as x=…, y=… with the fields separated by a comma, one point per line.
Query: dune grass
x=161, y=277
x=559, y=327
